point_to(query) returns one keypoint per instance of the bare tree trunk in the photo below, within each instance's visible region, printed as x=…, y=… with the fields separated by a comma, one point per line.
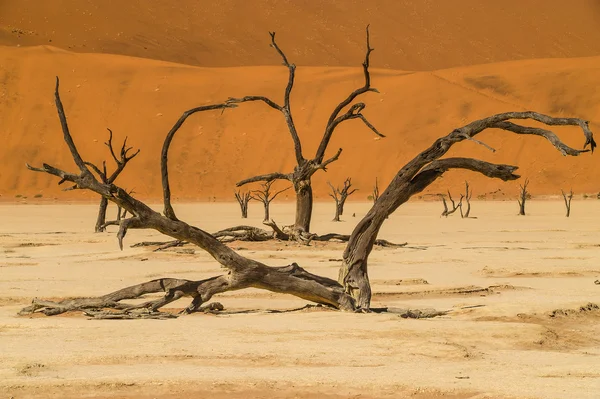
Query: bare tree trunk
x=304, y=205
x=523, y=195
x=567, y=199
x=338, y=212
x=101, y=215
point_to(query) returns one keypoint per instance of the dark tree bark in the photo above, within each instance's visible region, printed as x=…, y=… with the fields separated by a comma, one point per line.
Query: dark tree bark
x=243, y=199
x=567, y=199
x=121, y=161
x=305, y=168
x=265, y=196
x=467, y=197
x=340, y=196
x=523, y=196
x=448, y=211
x=352, y=291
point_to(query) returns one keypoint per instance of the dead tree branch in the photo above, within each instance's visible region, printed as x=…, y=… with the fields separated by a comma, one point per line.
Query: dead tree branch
x=164, y=156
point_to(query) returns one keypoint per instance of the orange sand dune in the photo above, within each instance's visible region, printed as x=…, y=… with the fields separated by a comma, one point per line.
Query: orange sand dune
x=143, y=98
x=408, y=34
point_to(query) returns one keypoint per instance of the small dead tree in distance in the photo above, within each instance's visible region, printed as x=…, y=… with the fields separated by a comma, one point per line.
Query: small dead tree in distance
x=352, y=291
x=523, y=196
x=121, y=161
x=375, y=193
x=467, y=196
x=340, y=196
x=447, y=211
x=243, y=199
x=265, y=196
x=567, y=199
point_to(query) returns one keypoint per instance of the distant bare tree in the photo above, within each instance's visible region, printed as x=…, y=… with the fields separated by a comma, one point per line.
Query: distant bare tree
x=455, y=206
x=340, y=197
x=523, y=196
x=265, y=196
x=121, y=161
x=375, y=194
x=567, y=199
x=243, y=199
x=467, y=197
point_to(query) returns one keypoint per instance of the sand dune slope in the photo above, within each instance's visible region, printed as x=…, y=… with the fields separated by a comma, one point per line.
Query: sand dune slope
x=408, y=34
x=142, y=98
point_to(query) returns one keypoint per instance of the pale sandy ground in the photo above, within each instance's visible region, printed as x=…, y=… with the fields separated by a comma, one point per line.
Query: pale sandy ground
x=504, y=345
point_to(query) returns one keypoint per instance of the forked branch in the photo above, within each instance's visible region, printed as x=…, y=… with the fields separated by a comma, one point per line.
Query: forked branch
x=354, y=112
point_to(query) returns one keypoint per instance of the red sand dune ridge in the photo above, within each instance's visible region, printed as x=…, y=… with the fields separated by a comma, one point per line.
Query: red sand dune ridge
x=141, y=99
x=519, y=42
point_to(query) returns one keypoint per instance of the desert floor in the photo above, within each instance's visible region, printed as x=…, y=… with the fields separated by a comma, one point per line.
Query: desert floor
x=500, y=275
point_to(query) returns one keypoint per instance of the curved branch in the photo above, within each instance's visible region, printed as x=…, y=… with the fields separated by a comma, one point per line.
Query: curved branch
x=168, y=208
x=266, y=178
x=547, y=134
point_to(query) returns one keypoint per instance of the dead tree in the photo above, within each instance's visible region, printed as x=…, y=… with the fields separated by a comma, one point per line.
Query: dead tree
x=265, y=196
x=467, y=197
x=352, y=291
x=567, y=199
x=306, y=167
x=375, y=193
x=523, y=196
x=447, y=211
x=340, y=196
x=121, y=161
x=243, y=199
